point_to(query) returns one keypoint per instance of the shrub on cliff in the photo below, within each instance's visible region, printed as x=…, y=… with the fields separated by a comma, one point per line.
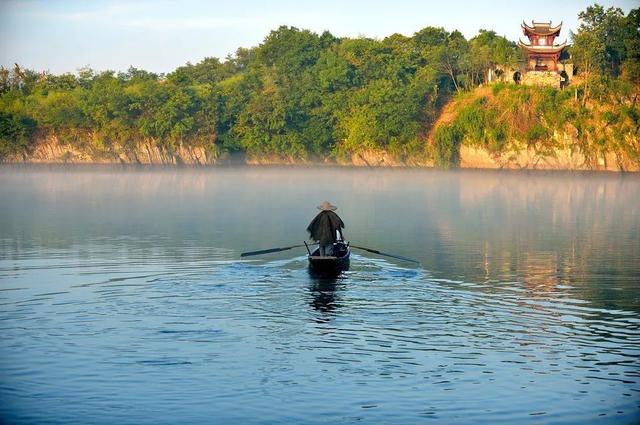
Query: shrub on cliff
x=447, y=139
x=15, y=134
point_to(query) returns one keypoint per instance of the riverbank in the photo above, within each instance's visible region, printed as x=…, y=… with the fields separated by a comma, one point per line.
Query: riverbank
x=50, y=150
x=492, y=127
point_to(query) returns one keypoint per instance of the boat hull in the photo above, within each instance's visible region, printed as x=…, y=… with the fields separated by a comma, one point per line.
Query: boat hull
x=332, y=265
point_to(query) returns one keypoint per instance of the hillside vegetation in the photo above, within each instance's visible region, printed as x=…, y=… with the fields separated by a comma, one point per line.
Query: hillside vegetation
x=506, y=120
x=300, y=96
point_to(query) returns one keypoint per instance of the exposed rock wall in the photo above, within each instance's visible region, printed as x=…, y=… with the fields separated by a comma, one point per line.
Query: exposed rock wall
x=379, y=158
x=527, y=158
x=541, y=78
x=52, y=150
x=366, y=158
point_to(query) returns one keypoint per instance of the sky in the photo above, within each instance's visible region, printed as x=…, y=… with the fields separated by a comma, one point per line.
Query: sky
x=158, y=36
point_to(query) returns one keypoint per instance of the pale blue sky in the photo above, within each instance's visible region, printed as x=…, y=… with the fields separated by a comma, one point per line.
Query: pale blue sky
x=62, y=36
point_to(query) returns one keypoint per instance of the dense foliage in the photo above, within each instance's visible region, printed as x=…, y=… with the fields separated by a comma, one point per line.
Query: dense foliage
x=301, y=95
x=297, y=95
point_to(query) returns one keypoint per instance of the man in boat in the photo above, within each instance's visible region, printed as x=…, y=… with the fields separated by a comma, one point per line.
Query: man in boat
x=325, y=227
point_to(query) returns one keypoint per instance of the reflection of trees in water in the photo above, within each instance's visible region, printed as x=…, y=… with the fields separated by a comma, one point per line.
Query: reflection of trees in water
x=542, y=230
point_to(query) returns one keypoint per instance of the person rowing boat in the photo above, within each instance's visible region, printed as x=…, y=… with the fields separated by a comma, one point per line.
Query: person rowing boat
x=333, y=253
x=326, y=228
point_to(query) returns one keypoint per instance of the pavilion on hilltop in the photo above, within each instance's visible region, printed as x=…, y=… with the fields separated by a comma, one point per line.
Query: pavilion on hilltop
x=542, y=53
x=543, y=66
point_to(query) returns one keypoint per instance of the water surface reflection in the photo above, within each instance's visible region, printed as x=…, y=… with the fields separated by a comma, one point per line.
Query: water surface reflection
x=123, y=297
x=323, y=292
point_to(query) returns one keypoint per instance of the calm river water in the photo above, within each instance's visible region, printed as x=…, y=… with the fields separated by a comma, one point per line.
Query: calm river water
x=123, y=298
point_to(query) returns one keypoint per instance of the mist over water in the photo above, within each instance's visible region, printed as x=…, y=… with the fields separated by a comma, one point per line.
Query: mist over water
x=123, y=297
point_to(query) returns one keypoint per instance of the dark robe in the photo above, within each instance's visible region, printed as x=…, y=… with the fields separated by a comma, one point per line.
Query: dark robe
x=323, y=227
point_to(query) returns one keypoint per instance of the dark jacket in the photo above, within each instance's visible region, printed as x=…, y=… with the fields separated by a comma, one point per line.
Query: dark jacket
x=323, y=227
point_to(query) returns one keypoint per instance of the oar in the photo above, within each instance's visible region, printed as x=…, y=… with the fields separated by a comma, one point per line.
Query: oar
x=375, y=251
x=266, y=251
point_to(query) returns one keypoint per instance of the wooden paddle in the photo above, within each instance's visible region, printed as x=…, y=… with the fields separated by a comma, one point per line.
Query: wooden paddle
x=375, y=251
x=267, y=251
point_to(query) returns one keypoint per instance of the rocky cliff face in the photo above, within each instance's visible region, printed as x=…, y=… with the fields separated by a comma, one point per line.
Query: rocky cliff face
x=529, y=159
x=53, y=151
x=50, y=150
x=367, y=158
x=378, y=158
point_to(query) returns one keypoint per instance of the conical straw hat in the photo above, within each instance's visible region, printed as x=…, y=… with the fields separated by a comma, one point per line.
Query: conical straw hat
x=326, y=206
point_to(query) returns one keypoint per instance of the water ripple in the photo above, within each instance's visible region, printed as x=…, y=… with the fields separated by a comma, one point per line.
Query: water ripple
x=216, y=332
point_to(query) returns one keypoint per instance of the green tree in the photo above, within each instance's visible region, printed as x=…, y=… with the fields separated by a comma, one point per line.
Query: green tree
x=488, y=51
x=588, y=51
x=15, y=133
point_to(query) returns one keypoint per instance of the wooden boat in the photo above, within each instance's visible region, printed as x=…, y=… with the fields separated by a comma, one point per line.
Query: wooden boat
x=331, y=265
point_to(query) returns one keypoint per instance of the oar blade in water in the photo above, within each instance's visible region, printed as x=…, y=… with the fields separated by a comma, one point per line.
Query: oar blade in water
x=267, y=251
x=375, y=251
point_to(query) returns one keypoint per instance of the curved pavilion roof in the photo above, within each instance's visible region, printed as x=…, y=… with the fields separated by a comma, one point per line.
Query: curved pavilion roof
x=541, y=28
x=542, y=49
